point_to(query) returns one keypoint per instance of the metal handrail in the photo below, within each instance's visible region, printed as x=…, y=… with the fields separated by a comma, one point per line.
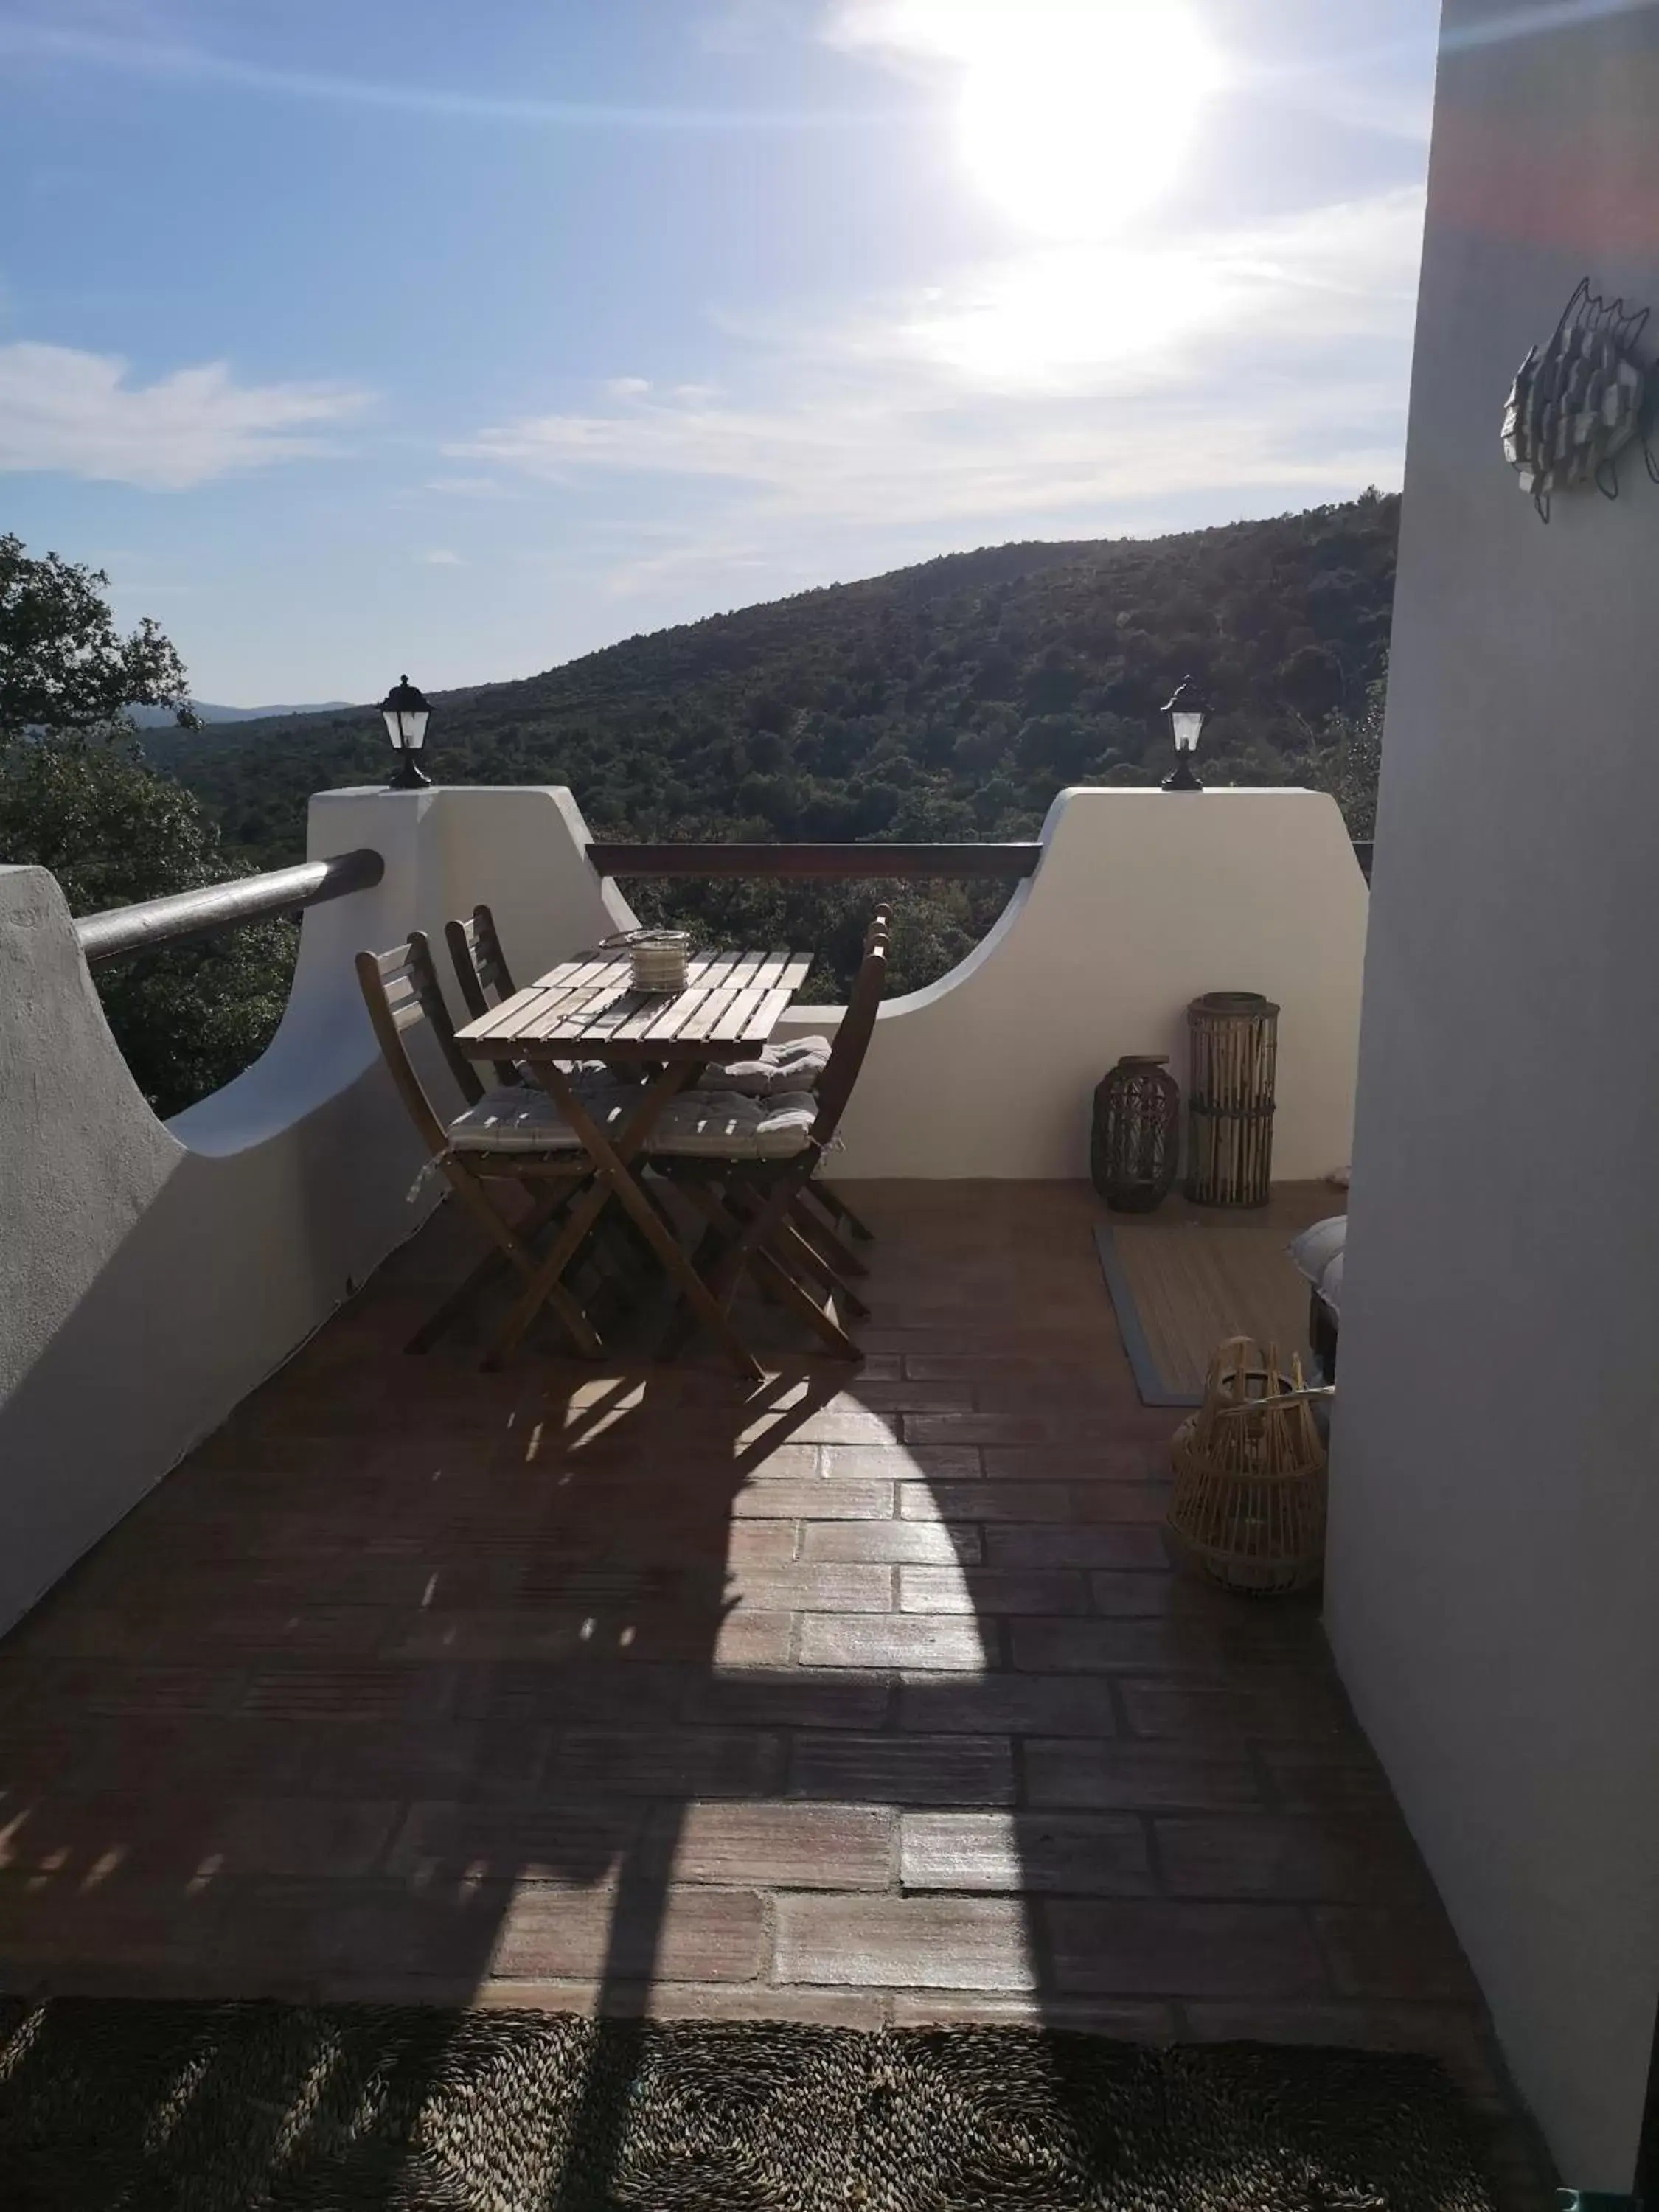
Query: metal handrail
x=123, y=932
x=825, y=863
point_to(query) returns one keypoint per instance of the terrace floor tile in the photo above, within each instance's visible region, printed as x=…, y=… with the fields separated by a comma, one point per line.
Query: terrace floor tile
x=872, y=1697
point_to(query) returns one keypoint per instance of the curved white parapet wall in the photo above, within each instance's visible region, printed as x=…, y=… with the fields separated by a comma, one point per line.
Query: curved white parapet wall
x=1142, y=901
x=151, y=1275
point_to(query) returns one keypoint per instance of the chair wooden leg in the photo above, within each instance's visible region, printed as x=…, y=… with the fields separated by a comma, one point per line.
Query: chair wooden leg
x=611, y=1165
x=818, y=1233
x=542, y=1287
x=838, y=1212
x=719, y=1233
x=795, y=1253
x=790, y=1293
x=581, y=1330
x=492, y=1264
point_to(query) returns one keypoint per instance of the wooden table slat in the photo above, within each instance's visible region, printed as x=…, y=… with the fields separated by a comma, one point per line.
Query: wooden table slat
x=511, y=1017
x=672, y=1018
x=573, y=1013
x=709, y=967
x=555, y=1002
x=651, y=1009
x=618, y=1017
x=741, y=1014
x=501, y=1021
x=770, y=971
x=731, y=1002
x=709, y=1022
x=772, y=1009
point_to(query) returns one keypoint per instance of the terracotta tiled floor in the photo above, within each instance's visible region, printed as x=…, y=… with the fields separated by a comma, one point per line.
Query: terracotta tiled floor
x=871, y=1697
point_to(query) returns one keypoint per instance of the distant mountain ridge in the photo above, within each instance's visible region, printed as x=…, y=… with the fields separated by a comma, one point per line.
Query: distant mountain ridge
x=162, y=717
x=947, y=701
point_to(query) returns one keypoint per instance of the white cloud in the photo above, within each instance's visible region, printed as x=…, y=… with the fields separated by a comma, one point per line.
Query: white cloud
x=1077, y=387
x=77, y=414
x=439, y=556
x=627, y=387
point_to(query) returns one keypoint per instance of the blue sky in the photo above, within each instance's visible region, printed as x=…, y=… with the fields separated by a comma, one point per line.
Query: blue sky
x=351, y=335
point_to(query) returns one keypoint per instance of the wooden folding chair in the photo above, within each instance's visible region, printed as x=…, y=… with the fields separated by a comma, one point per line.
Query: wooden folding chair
x=748, y=1202
x=511, y=1134
x=842, y=1215
x=482, y=972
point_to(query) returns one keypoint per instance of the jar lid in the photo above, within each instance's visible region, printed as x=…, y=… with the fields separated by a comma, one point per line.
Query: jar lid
x=625, y=940
x=1233, y=1002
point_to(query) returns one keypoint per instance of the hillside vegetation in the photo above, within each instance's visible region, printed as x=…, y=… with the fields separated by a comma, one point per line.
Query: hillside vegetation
x=947, y=701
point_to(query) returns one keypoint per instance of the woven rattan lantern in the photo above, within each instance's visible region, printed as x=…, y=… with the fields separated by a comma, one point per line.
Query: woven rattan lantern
x=1137, y=1134
x=1233, y=1041
x=1248, y=1506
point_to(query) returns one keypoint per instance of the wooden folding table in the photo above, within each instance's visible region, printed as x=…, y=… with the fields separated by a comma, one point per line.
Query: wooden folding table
x=587, y=1010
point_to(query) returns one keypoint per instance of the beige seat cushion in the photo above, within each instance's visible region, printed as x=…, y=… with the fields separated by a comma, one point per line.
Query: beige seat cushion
x=518, y=1119
x=1318, y=1254
x=780, y=1069
x=728, y=1125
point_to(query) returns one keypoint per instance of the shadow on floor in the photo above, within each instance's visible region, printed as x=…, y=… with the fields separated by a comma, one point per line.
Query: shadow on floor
x=866, y=1697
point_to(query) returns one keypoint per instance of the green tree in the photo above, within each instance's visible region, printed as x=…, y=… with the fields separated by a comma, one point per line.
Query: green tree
x=77, y=797
x=65, y=667
x=1350, y=761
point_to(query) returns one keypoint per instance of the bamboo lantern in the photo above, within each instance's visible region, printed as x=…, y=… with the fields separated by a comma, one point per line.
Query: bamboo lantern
x=1137, y=1134
x=1233, y=1042
x=1248, y=1506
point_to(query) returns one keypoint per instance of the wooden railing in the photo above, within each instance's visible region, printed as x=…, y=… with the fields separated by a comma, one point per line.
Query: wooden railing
x=124, y=932
x=839, y=863
x=823, y=863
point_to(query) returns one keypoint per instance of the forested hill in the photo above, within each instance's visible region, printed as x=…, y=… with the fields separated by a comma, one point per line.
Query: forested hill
x=951, y=700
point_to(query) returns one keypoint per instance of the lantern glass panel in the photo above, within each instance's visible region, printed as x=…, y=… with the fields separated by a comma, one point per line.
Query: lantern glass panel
x=406, y=727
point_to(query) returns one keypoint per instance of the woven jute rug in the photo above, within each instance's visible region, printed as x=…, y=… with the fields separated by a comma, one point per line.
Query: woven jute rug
x=137, y=2107
x=1180, y=1291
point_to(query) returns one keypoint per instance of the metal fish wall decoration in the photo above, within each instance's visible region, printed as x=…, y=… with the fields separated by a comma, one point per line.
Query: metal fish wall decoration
x=1578, y=402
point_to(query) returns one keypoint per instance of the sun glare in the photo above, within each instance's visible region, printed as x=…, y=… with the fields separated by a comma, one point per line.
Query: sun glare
x=1078, y=114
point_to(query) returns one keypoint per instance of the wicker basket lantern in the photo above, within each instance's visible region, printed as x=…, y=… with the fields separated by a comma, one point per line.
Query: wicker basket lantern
x=1233, y=1039
x=1249, y=1476
x=1137, y=1134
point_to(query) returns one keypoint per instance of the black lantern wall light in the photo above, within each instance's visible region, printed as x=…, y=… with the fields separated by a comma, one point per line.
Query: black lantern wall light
x=405, y=710
x=1187, y=711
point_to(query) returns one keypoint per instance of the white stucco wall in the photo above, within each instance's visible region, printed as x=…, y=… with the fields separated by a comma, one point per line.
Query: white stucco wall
x=150, y=1276
x=1495, y=1513
x=1142, y=900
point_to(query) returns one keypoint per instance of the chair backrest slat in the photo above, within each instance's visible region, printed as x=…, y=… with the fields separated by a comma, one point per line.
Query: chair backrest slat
x=852, y=1040
x=401, y=991
x=389, y=1024
x=423, y=972
x=481, y=970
